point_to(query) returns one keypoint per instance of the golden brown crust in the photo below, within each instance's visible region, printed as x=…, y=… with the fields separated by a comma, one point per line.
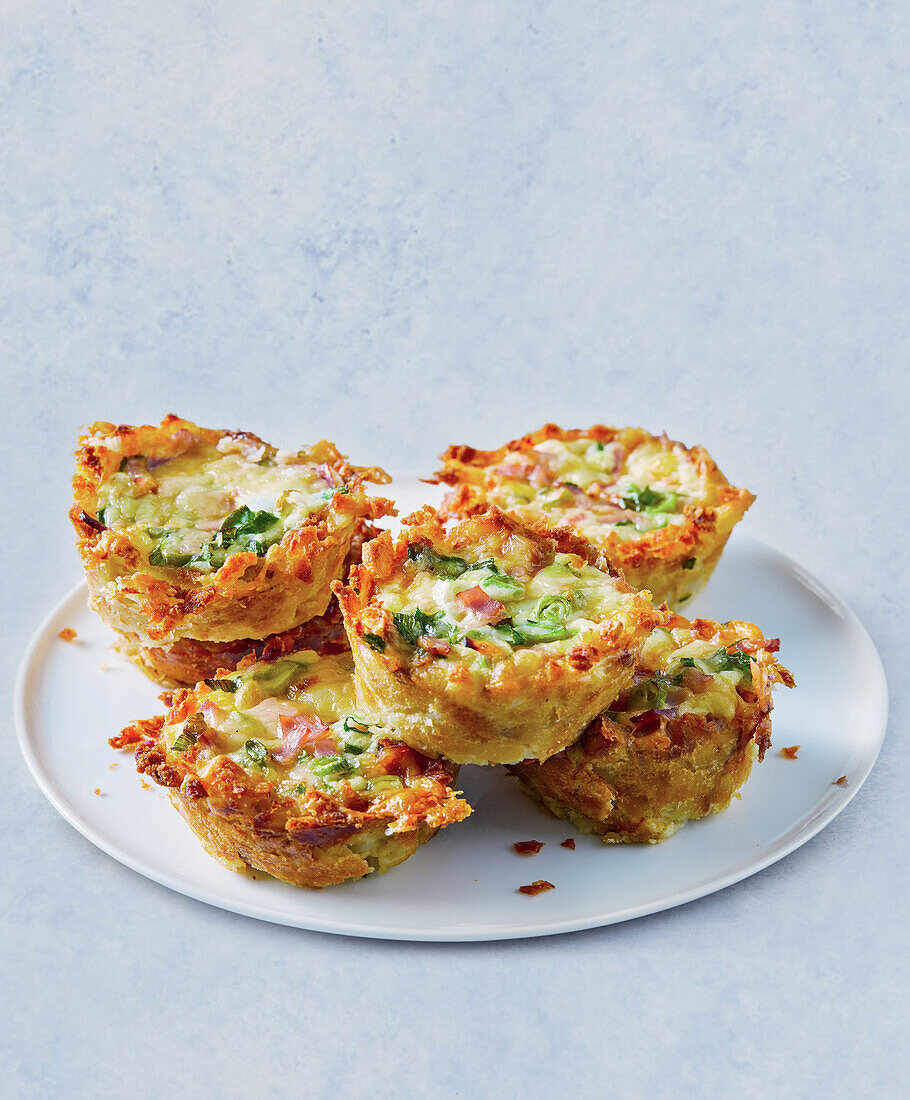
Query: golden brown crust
x=250, y=596
x=533, y=704
x=316, y=840
x=640, y=782
x=657, y=559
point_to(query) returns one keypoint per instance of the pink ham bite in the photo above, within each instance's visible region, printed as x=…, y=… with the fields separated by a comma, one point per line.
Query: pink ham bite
x=300, y=730
x=477, y=601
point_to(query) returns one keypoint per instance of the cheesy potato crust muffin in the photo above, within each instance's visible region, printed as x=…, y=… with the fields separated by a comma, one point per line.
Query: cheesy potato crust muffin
x=675, y=746
x=189, y=533
x=490, y=641
x=273, y=770
x=662, y=512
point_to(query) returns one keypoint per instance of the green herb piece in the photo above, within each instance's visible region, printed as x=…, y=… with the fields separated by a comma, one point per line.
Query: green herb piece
x=719, y=661
x=330, y=765
x=688, y=596
x=625, y=523
x=169, y=551
x=425, y=557
x=221, y=685
x=353, y=724
x=352, y=748
x=101, y=512
x=375, y=642
x=274, y=677
x=256, y=751
x=502, y=587
x=532, y=632
x=183, y=741
x=646, y=499
x=689, y=563
x=417, y=625
x=649, y=694
x=552, y=609
x=506, y=633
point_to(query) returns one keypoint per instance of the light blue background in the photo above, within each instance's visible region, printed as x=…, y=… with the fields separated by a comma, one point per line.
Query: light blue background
x=404, y=225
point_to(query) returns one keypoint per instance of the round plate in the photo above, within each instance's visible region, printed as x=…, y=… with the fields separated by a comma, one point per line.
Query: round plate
x=72, y=696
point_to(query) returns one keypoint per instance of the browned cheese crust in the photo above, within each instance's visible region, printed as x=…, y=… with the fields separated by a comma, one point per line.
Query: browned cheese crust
x=250, y=597
x=658, y=560
x=528, y=705
x=641, y=780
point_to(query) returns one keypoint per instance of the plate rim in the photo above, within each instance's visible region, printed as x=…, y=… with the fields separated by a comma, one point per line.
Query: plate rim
x=31, y=664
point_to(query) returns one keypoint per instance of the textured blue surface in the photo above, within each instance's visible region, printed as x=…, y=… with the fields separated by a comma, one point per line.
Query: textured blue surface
x=404, y=225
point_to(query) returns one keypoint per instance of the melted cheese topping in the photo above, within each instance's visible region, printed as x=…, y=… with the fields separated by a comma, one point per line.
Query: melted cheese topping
x=596, y=487
x=181, y=503
x=701, y=691
x=293, y=722
x=494, y=605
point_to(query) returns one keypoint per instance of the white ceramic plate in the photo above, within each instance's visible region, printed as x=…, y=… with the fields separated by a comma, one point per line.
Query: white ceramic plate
x=72, y=696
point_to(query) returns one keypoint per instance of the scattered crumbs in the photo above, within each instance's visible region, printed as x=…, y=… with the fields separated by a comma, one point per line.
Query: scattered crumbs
x=569, y=843
x=67, y=634
x=536, y=887
x=791, y=751
x=98, y=791
x=113, y=766
x=842, y=782
x=528, y=847
x=145, y=786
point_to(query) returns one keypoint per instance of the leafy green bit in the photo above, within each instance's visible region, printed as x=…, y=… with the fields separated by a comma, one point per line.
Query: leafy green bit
x=355, y=725
x=385, y=783
x=253, y=756
x=649, y=694
x=418, y=624
x=101, y=512
x=352, y=748
x=719, y=661
x=689, y=563
x=183, y=741
x=648, y=500
x=221, y=685
x=682, y=599
x=169, y=551
x=375, y=642
x=506, y=633
x=122, y=467
x=330, y=765
x=442, y=565
x=625, y=523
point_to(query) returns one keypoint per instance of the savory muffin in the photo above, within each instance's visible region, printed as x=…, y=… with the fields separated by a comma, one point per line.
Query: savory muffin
x=675, y=746
x=273, y=770
x=189, y=534
x=661, y=512
x=490, y=641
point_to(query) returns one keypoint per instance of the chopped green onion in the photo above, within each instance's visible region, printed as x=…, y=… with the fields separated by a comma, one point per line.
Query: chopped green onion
x=274, y=677
x=689, y=563
x=374, y=642
x=183, y=741
x=353, y=724
x=352, y=748
x=552, y=609
x=256, y=751
x=330, y=765
x=385, y=783
x=502, y=587
x=221, y=685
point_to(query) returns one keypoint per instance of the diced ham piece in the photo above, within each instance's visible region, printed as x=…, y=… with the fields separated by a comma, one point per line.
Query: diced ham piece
x=300, y=730
x=438, y=647
x=479, y=603
x=327, y=474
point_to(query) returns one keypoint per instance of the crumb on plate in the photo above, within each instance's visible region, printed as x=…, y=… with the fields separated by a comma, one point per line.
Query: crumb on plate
x=841, y=782
x=569, y=843
x=790, y=751
x=67, y=634
x=536, y=887
x=528, y=847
